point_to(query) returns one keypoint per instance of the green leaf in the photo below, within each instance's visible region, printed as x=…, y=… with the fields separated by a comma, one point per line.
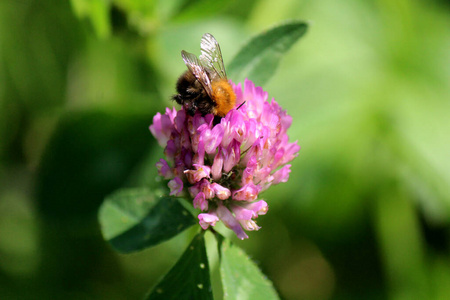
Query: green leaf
x=189, y=278
x=136, y=219
x=97, y=11
x=259, y=59
x=194, y=10
x=241, y=278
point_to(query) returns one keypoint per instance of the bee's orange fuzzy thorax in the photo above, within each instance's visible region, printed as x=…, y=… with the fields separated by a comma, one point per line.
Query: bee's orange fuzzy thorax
x=224, y=97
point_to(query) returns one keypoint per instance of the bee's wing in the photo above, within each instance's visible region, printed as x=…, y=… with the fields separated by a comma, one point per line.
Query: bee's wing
x=199, y=71
x=211, y=57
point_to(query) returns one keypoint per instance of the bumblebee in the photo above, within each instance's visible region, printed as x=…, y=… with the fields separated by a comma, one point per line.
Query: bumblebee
x=204, y=86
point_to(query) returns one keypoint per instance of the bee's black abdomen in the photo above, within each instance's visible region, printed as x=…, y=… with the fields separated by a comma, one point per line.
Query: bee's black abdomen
x=205, y=105
x=183, y=84
x=192, y=95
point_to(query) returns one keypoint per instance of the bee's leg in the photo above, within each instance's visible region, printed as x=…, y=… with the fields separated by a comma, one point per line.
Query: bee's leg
x=191, y=108
x=216, y=120
x=241, y=105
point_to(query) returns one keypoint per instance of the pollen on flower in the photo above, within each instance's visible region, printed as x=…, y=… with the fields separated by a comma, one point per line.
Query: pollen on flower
x=225, y=165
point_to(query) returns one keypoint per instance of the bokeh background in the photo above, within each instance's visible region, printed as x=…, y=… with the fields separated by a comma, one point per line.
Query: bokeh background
x=366, y=212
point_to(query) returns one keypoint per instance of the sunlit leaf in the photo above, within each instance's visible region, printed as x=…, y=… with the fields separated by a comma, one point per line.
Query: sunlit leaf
x=200, y=9
x=259, y=59
x=241, y=278
x=97, y=11
x=189, y=278
x=136, y=219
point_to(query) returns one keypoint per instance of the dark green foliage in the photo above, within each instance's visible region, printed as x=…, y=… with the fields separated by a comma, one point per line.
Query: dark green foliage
x=133, y=220
x=189, y=278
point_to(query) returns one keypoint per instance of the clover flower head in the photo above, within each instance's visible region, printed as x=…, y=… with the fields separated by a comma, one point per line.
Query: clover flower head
x=224, y=166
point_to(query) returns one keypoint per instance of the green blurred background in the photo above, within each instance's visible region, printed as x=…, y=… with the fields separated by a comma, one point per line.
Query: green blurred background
x=366, y=212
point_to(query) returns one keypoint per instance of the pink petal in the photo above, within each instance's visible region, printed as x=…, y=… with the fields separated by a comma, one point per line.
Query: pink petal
x=230, y=221
x=175, y=186
x=207, y=219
